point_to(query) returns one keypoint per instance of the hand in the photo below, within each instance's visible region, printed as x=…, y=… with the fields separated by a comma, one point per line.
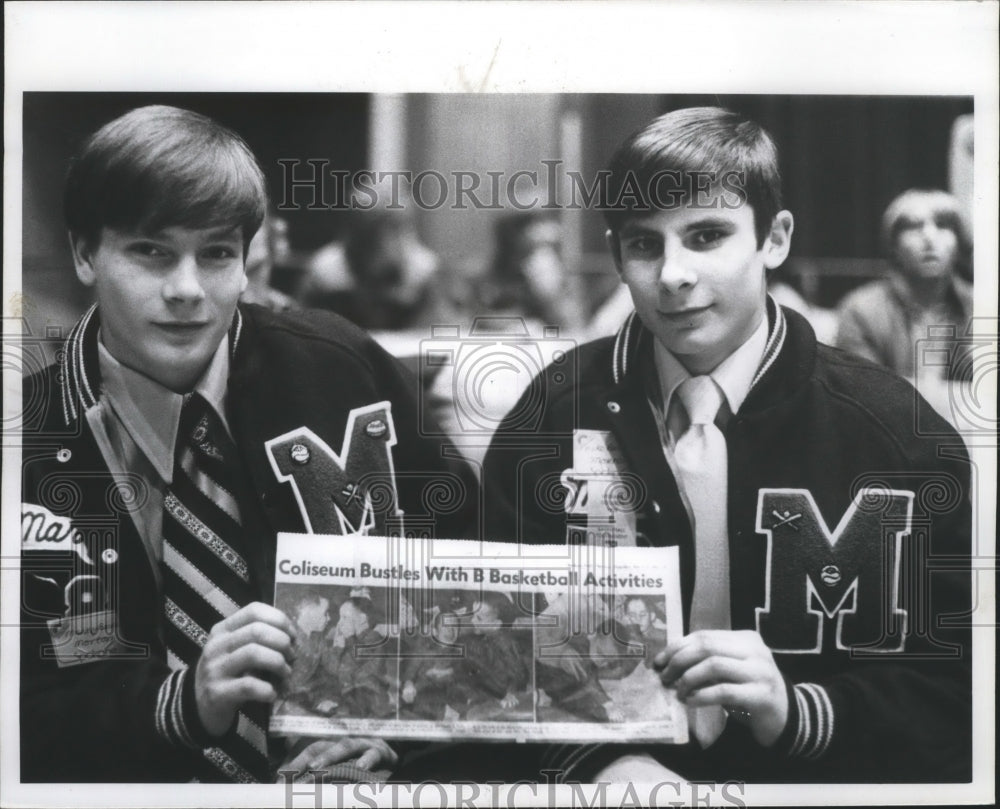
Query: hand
x=734, y=669
x=247, y=657
x=509, y=700
x=370, y=754
x=409, y=692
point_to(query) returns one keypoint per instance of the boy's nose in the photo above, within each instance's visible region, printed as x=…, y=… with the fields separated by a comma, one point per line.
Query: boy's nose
x=676, y=271
x=184, y=282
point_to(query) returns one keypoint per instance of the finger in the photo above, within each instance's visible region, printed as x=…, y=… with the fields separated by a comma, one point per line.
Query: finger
x=693, y=648
x=335, y=752
x=243, y=689
x=715, y=670
x=303, y=761
x=254, y=658
x=732, y=696
x=256, y=611
x=369, y=759
x=258, y=633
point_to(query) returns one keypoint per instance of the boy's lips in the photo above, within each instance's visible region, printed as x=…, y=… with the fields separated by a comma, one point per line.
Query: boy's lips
x=683, y=314
x=181, y=326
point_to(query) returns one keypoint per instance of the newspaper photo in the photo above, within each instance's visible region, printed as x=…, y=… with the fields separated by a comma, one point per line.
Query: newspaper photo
x=476, y=643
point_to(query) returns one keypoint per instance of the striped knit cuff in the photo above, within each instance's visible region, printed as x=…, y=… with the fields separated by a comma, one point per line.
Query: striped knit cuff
x=810, y=721
x=177, y=719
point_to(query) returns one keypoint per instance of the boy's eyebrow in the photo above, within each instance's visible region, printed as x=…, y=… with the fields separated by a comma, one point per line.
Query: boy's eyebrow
x=709, y=221
x=220, y=232
x=636, y=227
x=224, y=232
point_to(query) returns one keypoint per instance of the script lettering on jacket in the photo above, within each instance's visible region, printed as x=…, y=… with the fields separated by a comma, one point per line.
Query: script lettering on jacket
x=41, y=530
x=850, y=573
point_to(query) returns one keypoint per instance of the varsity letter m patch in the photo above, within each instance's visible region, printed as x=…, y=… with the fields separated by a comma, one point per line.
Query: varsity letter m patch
x=848, y=577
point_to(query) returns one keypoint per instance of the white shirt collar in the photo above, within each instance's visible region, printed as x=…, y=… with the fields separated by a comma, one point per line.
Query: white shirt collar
x=150, y=412
x=734, y=375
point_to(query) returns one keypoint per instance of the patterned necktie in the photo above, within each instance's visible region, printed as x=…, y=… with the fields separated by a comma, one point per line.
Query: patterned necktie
x=205, y=576
x=700, y=454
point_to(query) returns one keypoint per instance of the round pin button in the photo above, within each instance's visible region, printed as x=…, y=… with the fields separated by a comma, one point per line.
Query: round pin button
x=376, y=428
x=299, y=453
x=63, y=455
x=614, y=407
x=830, y=575
x=109, y=556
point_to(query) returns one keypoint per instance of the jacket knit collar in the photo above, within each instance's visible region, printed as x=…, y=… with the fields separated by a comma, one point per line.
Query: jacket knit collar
x=633, y=335
x=80, y=374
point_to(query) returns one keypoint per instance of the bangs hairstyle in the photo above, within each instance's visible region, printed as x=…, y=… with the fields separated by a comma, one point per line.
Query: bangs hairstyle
x=944, y=207
x=157, y=167
x=695, y=141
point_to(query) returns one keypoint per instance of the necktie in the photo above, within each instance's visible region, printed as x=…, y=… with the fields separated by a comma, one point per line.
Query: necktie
x=700, y=455
x=205, y=575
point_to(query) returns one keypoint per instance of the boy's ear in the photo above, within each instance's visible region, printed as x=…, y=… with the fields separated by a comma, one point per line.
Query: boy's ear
x=615, y=247
x=83, y=259
x=778, y=242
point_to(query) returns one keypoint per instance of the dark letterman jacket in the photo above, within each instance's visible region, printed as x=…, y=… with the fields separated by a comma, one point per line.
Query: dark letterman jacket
x=849, y=540
x=116, y=712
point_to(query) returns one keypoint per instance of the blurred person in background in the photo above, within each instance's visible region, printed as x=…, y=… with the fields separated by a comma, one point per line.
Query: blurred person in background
x=528, y=277
x=923, y=295
x=269, y=247
x=381, y=276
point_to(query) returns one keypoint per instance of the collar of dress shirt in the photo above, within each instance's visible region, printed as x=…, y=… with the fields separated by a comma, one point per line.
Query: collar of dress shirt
x=150, y=412
x=733, y=375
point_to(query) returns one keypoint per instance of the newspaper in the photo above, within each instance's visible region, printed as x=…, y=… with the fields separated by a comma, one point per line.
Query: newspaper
x=457, y=639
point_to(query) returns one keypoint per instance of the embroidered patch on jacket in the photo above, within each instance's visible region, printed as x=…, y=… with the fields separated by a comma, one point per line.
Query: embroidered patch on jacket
x=849, y=575
x=353, y=492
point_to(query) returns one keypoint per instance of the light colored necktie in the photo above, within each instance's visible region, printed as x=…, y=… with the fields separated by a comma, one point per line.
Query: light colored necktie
x=700, y=455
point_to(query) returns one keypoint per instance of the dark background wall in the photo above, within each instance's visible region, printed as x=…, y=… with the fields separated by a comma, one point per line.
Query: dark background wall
x=843, y=159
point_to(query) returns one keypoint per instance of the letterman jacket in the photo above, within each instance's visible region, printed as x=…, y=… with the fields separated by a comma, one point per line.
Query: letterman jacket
x=849, y=540
x=98, y=701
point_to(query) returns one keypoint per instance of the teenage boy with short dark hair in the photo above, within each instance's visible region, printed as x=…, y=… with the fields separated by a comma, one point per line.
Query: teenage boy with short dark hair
x=178, y=435
x=789, y=475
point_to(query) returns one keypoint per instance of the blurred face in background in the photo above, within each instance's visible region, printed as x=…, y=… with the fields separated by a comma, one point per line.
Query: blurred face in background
x=540, y=257
x=925, y=245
